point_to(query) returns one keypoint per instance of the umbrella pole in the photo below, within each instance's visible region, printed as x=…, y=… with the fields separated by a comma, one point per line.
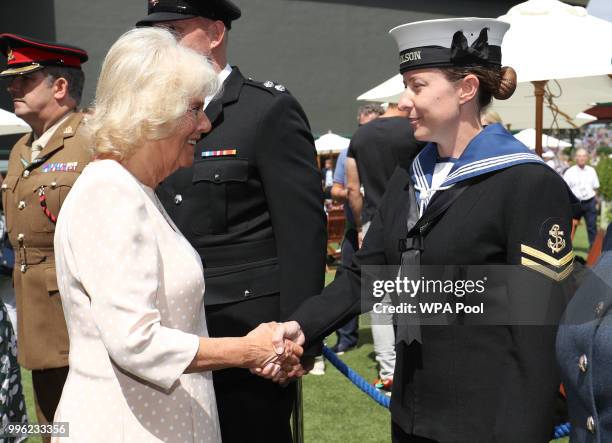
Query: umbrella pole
x=538, y=87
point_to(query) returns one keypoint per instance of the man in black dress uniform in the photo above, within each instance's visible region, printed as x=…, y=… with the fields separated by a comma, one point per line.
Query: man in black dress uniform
x=252, y=206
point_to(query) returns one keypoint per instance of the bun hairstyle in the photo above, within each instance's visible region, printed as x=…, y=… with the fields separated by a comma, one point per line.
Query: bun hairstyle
x=507, y=83
x=494, y=81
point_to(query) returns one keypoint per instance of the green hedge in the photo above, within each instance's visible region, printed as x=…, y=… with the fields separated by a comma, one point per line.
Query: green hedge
x=604, y=171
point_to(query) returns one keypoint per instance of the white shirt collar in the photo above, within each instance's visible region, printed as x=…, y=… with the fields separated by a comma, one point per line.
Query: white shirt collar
x=221, y=76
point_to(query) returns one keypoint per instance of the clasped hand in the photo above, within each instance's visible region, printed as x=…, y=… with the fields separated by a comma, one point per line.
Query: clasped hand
x=279, y=348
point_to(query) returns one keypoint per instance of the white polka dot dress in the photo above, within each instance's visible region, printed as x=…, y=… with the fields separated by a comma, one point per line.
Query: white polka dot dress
x=132, y=291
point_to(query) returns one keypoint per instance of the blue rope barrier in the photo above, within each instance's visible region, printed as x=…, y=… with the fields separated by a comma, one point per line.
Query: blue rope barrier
x=355, y=378
x=563, y=430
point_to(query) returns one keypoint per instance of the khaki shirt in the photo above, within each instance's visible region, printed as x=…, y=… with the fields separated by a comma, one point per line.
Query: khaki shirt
x=26, y=190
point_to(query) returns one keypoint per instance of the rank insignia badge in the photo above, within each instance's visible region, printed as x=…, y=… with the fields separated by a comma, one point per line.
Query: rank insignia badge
x=10, y=56
x=220, y=153
x=556, y=242
x=551, y=256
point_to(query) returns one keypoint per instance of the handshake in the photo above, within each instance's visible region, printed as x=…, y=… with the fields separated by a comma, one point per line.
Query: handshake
x=276, y=351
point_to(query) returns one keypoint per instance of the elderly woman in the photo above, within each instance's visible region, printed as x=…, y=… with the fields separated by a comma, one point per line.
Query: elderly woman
x=472, y=198
x=131, y=285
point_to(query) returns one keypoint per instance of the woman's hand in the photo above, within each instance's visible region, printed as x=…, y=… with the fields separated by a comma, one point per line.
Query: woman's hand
x=284, y=335
x=260, y=348
x=265, y=350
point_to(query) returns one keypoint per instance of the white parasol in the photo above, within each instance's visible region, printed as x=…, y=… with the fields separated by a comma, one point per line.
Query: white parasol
x=389, y=91
x=528, y=138
x=331, y=142
x=11, y=124
x=550, y=40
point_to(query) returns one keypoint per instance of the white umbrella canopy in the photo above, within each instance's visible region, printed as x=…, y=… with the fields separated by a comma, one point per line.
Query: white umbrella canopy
x=331, y=142
x=528, y=138
x=549, y=39
x=389, y=91
x=11, y=124
x=576, y=95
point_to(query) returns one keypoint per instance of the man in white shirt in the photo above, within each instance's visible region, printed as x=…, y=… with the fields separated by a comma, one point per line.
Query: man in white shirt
x=584, y=183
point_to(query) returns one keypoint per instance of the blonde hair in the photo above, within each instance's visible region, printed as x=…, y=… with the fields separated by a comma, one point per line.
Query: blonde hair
x=490, y=116
x=145, y=87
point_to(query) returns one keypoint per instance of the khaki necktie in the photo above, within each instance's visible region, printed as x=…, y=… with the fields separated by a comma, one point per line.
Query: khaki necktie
x=36, y=148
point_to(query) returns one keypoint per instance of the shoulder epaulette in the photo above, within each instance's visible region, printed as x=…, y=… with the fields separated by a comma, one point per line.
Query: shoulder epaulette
x=268, y=85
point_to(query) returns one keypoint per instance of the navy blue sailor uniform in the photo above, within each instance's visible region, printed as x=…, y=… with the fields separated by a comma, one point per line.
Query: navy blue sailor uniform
x=470, y=382
x=252, y=206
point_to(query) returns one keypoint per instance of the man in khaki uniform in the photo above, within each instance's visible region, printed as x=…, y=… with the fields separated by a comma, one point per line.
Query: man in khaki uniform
x=45, y=81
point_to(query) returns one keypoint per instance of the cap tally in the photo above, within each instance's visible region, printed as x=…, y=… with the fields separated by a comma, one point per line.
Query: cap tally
x=450, y=42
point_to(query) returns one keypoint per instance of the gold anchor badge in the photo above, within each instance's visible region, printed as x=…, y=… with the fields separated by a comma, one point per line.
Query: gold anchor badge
x=559, y=242
x=9, y=55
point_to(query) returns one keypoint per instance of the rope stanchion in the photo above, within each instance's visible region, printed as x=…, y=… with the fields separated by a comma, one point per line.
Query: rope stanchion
x=560, y=431
x=355, y=378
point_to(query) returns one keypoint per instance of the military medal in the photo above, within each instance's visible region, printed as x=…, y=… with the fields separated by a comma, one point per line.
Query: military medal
x=220, y=153
x=60, y=167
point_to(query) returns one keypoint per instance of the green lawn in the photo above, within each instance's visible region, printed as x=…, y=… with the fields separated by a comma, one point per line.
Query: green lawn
x=581, y=241
x=26, y=382
x=334, y=409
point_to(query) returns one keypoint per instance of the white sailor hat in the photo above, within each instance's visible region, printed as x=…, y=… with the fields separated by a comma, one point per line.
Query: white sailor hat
x=468, y=41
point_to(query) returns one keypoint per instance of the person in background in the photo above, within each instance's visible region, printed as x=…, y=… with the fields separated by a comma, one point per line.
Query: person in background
x=45, y=81
x=328, y=177
x=12, y=401
x=553, y=157
x=252, y=206
x=7, y=264
x=376, y=149
x=367, y=113
x=584, y=183
x=347, y=335
x=489, y=117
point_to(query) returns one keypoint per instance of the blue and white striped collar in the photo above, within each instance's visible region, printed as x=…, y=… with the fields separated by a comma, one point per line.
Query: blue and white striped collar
x=492, y=149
